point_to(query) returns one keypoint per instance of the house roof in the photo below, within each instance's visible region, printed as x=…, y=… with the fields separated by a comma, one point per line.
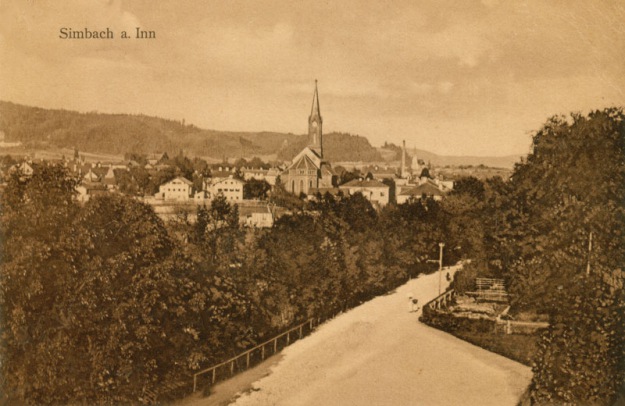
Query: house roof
x=248, y=210
x=220, y=180
x=184, y=180
x=93, y=186
x=364, y=184
x=427, y=188
x=260, y=170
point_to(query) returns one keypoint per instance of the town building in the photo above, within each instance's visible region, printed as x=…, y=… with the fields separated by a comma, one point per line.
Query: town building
x=251, y=173
x=256, y=215
x=231, y=188
x=176, y=189
x=374, y=191
x=87, y=190
x=427, y=190
x=309, y=169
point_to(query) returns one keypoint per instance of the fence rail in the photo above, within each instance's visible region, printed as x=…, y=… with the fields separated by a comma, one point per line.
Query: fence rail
x=442, y=300
x=495, y=296
x=490, y=289
x=247, y=355
x=520, y=327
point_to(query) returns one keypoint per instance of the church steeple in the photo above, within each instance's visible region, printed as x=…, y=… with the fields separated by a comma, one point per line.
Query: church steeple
x=315, y=134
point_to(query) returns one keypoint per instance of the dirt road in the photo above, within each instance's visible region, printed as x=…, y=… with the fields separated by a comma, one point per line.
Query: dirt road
x=379, y=354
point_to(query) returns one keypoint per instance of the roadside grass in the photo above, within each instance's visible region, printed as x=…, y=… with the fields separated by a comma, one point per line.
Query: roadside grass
x=517, y=347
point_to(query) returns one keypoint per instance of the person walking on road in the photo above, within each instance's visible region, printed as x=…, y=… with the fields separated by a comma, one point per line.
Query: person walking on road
x=412, y=303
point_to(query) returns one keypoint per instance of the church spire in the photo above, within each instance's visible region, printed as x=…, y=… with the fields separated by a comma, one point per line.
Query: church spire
x=315, y=122
x=315, y=111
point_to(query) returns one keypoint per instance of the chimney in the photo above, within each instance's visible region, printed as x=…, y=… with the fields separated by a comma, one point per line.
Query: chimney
x=403, y=160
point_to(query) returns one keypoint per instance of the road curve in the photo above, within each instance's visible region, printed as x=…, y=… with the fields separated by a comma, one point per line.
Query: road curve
x=379, y=354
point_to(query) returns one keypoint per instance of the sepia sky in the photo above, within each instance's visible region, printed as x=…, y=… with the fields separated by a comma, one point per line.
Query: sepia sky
x=453, y=77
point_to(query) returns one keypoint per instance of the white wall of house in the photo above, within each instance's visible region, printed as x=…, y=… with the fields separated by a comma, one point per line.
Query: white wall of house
x=231, y=188
x=373, y=194
x=176, y=189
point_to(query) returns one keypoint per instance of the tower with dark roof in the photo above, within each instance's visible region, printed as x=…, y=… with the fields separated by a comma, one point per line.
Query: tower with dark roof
x=315, y=122
x=308, y=170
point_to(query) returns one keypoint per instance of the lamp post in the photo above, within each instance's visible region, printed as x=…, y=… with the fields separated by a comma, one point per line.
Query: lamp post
x=440, y=266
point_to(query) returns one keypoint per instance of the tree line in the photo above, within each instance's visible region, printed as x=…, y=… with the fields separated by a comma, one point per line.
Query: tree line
x=104, y=302
x=554, y=231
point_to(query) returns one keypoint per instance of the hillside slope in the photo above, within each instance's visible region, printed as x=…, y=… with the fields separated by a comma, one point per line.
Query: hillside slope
x=121, y=133
x=116, y=134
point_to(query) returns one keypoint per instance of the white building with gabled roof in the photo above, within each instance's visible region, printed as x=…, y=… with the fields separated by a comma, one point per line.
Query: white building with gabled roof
x=176, y=189
x=231, y=188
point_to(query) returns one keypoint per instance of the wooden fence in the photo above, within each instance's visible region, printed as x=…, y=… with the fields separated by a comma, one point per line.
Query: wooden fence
x=489, y=289
x=254, y=355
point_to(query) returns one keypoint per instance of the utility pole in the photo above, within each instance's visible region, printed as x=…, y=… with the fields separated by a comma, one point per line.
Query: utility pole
x=440, y=266
x=589, y=253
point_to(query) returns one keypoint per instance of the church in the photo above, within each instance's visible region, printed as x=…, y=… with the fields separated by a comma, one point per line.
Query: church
x=309, y=170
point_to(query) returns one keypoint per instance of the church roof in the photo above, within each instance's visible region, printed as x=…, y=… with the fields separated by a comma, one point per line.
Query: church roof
x=310, y=154
x=304, y=163
x=327, y=168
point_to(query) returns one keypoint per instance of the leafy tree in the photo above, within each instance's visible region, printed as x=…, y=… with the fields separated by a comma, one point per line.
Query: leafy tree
x=256, y=189
x=469, y=185
x=218, y=235
x=566, y=218
x=35, y=212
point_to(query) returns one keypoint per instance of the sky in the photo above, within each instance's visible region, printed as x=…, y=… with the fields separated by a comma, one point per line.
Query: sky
x=453, y=77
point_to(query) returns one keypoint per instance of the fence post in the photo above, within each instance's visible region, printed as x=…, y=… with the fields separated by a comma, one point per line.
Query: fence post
x=214, y=373
x=300, y=331
x=275, y=345
x=194, y=382
x=248, y=360
x=311, y=322
x=232, y=368
x=262, y=352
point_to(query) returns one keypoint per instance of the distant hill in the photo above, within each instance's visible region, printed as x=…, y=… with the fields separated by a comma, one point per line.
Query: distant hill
x=336, y=147
x=507, y=161
x=120, y=133
x=116, y=134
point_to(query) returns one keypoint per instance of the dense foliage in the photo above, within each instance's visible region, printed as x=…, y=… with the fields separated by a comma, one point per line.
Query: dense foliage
x=99, y=304
x=104, y=303
x=556, y=232
x=569, y=222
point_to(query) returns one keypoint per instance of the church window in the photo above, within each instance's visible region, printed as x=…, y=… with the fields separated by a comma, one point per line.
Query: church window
x=301, y=186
